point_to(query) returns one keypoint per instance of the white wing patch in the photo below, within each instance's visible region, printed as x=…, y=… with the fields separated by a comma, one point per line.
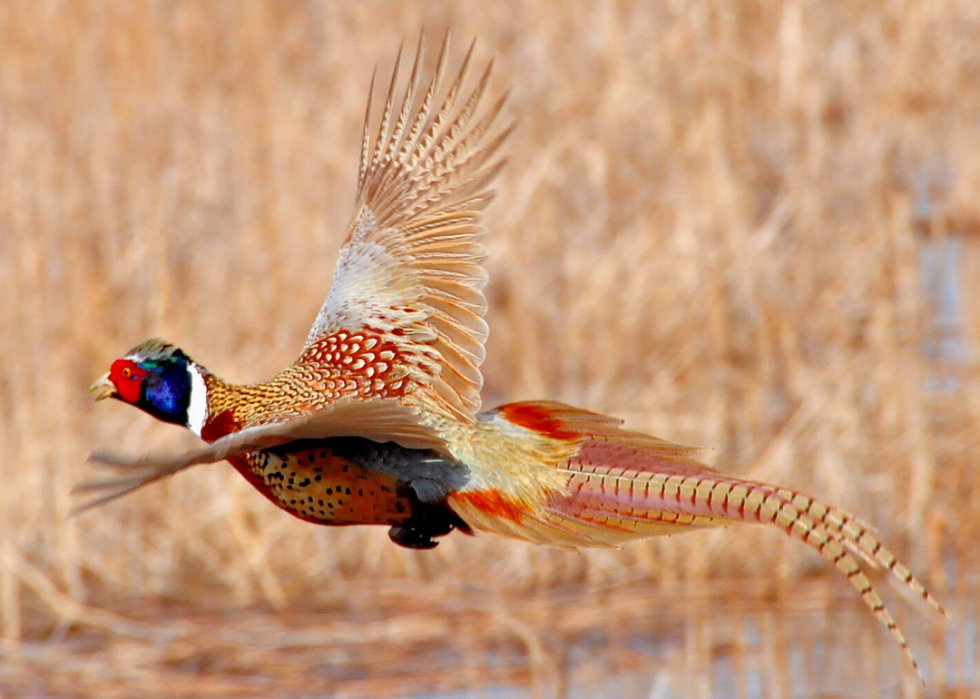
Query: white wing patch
x=371, y=289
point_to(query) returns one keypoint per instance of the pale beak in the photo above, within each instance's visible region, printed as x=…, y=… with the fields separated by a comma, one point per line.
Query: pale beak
x=103, y=388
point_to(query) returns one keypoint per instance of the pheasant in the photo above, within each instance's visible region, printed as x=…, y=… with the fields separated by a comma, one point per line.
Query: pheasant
x=378, y=422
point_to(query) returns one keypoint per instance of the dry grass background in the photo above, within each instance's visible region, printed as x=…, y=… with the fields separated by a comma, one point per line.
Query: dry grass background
x=716, y=224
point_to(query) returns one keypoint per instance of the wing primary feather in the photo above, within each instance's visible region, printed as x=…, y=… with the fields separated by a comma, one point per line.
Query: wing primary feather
x=435, y=131
x=451, y=133
x=388, y=194
x=438, y=155
x=476, y=133
x=476, y=160
x=395, y=140
x=379, y=146
x=391, y=165
x=469, y=164
x=477, y=202
x=122, y=490
x=366, y=137
x=462, y=189
x=431, y=190
x=423, y=117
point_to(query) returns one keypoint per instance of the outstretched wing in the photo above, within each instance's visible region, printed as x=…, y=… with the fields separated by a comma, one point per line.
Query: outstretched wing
x=378, y=420
x=410, y=268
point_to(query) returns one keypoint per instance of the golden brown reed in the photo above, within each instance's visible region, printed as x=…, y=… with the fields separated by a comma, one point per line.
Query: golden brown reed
x=717, y=223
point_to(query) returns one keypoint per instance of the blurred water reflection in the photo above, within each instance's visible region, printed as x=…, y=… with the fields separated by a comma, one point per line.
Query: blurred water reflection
x=730, y=639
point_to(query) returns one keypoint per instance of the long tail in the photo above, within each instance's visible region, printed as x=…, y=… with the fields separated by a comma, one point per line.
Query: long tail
x=621, y=486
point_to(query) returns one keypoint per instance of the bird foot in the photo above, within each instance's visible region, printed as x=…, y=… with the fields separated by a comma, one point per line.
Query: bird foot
x=414, y=537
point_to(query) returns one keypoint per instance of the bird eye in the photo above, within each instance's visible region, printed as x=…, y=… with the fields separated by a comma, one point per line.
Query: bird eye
x=127, y=372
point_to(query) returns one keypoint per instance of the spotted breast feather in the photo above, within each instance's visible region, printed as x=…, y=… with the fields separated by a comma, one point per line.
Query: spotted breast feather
x=346, y=481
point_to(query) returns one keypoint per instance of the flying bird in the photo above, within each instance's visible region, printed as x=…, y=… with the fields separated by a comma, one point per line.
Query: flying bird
x=378, y=421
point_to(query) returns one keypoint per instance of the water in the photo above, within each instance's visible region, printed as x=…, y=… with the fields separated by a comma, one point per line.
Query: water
x=734, y=639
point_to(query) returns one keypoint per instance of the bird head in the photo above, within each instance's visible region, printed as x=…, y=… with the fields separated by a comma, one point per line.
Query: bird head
x=158, y=378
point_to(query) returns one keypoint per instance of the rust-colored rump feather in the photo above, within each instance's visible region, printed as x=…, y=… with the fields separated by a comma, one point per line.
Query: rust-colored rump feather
x=492, y=503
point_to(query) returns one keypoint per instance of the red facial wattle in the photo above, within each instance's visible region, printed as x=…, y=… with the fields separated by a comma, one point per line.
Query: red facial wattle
x=127, y=377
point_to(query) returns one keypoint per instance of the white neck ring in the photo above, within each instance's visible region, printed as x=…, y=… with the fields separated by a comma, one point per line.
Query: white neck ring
x=197, y=408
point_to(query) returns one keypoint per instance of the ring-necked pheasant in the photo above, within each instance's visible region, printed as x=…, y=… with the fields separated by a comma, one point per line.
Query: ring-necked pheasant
x=377, y=422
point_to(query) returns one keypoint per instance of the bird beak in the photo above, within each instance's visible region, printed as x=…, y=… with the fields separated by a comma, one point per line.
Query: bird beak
x=103, y=388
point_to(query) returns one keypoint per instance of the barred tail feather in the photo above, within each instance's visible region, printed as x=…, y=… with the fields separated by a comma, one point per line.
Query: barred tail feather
x=642, y=486
x=860, y=538
x=624, y=488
